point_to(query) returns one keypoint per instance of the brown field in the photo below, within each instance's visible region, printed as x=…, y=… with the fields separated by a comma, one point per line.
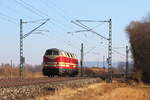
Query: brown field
x=13, y=72
x=8, y=71
x=102, y=91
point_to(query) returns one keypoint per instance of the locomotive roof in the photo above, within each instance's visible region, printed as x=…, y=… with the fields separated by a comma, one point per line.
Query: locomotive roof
x=60, y=50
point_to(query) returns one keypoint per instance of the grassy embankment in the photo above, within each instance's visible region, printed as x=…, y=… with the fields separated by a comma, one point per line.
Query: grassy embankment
x=102, y=91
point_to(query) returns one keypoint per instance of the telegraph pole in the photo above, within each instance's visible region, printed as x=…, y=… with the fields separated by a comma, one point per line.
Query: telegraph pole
x=127, y=63
x=81, y=61
x=21, y=49
x=110, y=51
x=104, y=62
x=11, y=65
x=109, y=39
x=98, y=63
x=22, y=36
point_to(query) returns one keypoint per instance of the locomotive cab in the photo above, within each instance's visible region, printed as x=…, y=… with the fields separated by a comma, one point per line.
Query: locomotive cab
x=48, y=62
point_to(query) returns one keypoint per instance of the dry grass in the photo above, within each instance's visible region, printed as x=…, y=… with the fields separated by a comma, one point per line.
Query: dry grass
x=37, y=74
x=94, y=71
x=102, y=91
x=13, y=72
x=8, y=71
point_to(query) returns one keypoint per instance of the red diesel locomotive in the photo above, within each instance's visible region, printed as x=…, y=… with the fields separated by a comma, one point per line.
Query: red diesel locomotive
x=59, y=62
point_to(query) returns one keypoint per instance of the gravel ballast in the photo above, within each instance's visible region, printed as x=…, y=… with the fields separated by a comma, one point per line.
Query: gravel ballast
x=32, y=91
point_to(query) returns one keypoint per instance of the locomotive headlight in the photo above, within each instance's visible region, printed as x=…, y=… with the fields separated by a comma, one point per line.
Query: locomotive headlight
x=45, y=63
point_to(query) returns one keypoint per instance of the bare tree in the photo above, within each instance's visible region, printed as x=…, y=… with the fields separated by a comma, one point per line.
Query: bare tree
x=139, y=37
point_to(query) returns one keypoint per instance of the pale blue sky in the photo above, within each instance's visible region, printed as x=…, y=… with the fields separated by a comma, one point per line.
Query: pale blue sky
x=61, y=12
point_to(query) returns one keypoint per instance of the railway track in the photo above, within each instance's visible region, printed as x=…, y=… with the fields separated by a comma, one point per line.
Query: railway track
x=22, y=89
x=15, y=82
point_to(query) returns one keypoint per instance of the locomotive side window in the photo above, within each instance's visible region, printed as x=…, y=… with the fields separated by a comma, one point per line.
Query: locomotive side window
x=74, y=56
x=71, y=55
x=68, y=55
x=63, y=54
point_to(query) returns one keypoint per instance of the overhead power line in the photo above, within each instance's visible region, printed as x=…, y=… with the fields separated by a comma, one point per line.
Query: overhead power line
x=37, y=10
x=87, y=29
x=49, y=4
x=39, y=20
x=39, y=13
x=22, y=36
x=109, y=39
x=119, y=53
x=28, y=8
x=60, y=12
x=8, y=18
x=91, y=49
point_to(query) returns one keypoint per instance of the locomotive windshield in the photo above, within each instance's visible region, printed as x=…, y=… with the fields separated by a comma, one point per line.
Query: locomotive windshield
x=52, y=52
